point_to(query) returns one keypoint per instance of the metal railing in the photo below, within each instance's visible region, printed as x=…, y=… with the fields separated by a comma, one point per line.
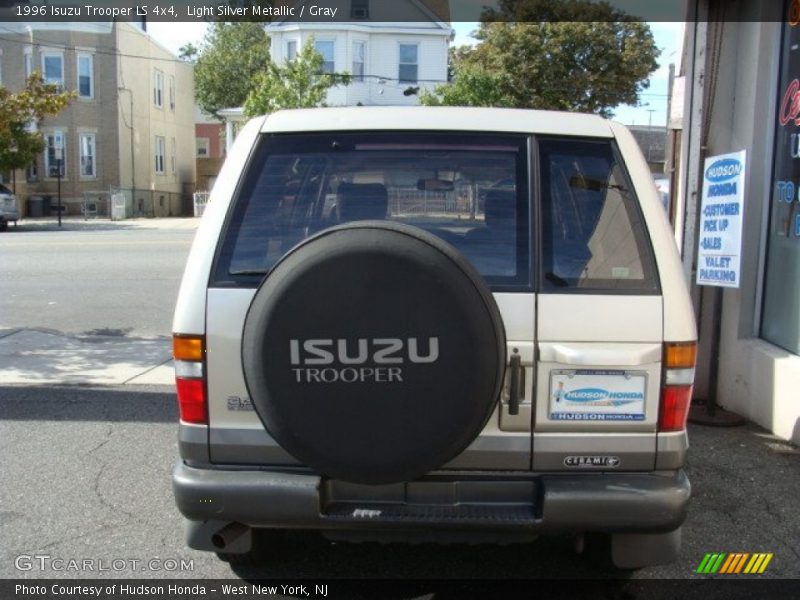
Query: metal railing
x=200, y=200
x=154, y=203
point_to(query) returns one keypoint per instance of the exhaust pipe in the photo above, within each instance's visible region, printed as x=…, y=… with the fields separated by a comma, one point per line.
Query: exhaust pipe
x=228, y=535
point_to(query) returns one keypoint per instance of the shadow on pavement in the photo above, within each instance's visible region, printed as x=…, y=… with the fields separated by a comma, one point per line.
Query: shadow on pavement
x=50, y=358
x=107, y=404
x=300, y=554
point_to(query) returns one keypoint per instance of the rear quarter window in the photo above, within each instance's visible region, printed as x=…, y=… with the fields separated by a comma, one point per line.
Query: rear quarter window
x=593, y=236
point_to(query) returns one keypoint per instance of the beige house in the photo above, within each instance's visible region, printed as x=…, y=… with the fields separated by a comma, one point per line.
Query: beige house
x=131, y=128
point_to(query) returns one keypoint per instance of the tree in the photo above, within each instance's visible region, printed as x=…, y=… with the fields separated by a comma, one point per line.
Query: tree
x=472, y=85
x=19, y=143
x=229, y=60
x=188, y=52
x=298, y=83
x=588, y=57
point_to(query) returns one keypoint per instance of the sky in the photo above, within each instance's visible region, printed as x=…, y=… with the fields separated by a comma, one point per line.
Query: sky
x=668, y=37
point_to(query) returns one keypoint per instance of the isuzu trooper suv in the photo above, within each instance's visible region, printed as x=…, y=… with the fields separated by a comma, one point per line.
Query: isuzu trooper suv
x=452, y=322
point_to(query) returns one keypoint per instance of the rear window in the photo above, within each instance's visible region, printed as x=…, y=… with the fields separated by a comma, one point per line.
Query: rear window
x=470, y=190
x=593, y=235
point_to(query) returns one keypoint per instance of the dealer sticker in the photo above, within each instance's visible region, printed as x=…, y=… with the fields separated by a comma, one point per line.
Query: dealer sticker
x=594, y=395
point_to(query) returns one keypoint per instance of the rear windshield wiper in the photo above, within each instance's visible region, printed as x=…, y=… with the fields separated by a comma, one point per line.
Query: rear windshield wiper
x=249, y=272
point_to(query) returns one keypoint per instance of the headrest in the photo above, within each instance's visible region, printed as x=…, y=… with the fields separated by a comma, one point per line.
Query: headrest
x=362, y=201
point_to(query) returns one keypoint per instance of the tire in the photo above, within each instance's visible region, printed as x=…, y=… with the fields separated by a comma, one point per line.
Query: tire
x=374, y=352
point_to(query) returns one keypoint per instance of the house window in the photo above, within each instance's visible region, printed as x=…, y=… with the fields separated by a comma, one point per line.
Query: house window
x=408, y=63
x=158, y=88
x=326, y=49
x=359, y=9
x=159, y=155
x=172, y=157
x=359, y=51
x=53, y=68
x=32, y=172
x=1, y=66
x=88, y=155
x=54, y=153
x=85, y=76
x=203, y=147
x=172, y=92
x=291, y=50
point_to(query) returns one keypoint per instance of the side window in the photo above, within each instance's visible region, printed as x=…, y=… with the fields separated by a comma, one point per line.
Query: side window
x=593, y=235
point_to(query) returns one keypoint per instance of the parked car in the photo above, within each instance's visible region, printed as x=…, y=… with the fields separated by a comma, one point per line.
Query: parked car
x=9, y=211
x=375, y=339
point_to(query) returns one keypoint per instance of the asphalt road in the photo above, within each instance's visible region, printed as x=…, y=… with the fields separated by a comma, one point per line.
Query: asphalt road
x=100, y=278
x=86, y=474
x=85, y=471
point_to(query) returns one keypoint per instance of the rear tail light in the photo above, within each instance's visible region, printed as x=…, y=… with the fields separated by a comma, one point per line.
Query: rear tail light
x=190, y=381
x=676, y=391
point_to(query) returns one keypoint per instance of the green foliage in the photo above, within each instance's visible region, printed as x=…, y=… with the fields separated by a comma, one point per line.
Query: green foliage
x=472, y=86
x=298, y=83
x=573, y=55
x=553, y=11
x=188, y=52
x=18, y=145
x=233, y=54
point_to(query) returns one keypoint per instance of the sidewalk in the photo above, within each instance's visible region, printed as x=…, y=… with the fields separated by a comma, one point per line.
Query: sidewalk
x=37, y=356
x=77, y=223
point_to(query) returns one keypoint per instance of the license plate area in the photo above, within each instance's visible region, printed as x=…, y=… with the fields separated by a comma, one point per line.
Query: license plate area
x=597, y=395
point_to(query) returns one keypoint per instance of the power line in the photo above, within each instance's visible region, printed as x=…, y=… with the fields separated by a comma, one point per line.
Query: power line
x=97, y=50
x=378, y=78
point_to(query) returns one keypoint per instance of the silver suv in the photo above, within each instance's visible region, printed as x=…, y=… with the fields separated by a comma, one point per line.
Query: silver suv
x=442, y=322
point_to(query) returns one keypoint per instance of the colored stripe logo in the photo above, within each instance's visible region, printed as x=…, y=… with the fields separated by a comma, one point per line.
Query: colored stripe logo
x=734, y=563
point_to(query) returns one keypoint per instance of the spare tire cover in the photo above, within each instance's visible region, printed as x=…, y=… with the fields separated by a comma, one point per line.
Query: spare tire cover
x=373, y=352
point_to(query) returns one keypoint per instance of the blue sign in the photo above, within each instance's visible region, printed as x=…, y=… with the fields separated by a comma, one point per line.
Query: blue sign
x=723, y=170
x=719, y=240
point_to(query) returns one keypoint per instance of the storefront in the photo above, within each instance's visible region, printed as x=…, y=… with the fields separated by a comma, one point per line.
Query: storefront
x=743, y=82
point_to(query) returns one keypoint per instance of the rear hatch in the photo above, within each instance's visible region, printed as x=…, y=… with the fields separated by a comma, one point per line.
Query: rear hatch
x=553, y=225
x=470, y=190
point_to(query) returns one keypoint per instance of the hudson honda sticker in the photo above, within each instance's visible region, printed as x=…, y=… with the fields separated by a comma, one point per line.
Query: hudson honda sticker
x=590, y=395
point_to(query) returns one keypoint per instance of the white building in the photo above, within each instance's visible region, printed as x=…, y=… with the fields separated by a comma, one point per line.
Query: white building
x=385, y=57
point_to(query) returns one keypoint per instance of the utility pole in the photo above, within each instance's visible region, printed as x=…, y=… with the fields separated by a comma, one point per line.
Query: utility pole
x=133, y=150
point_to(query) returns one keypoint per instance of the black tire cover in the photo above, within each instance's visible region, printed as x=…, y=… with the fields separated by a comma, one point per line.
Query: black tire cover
x=392, y=413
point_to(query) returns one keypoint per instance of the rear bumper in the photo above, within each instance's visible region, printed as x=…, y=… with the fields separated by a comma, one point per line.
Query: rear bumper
x=545, y=503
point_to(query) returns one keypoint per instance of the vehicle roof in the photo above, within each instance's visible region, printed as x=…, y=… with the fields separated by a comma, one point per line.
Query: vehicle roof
x=439, y=118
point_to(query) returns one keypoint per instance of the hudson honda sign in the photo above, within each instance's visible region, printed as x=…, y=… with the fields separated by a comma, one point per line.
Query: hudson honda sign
x=720, y=238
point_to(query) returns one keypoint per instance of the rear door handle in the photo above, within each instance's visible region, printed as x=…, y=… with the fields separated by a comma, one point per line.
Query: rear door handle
x=515, y=384
x=612, y=354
